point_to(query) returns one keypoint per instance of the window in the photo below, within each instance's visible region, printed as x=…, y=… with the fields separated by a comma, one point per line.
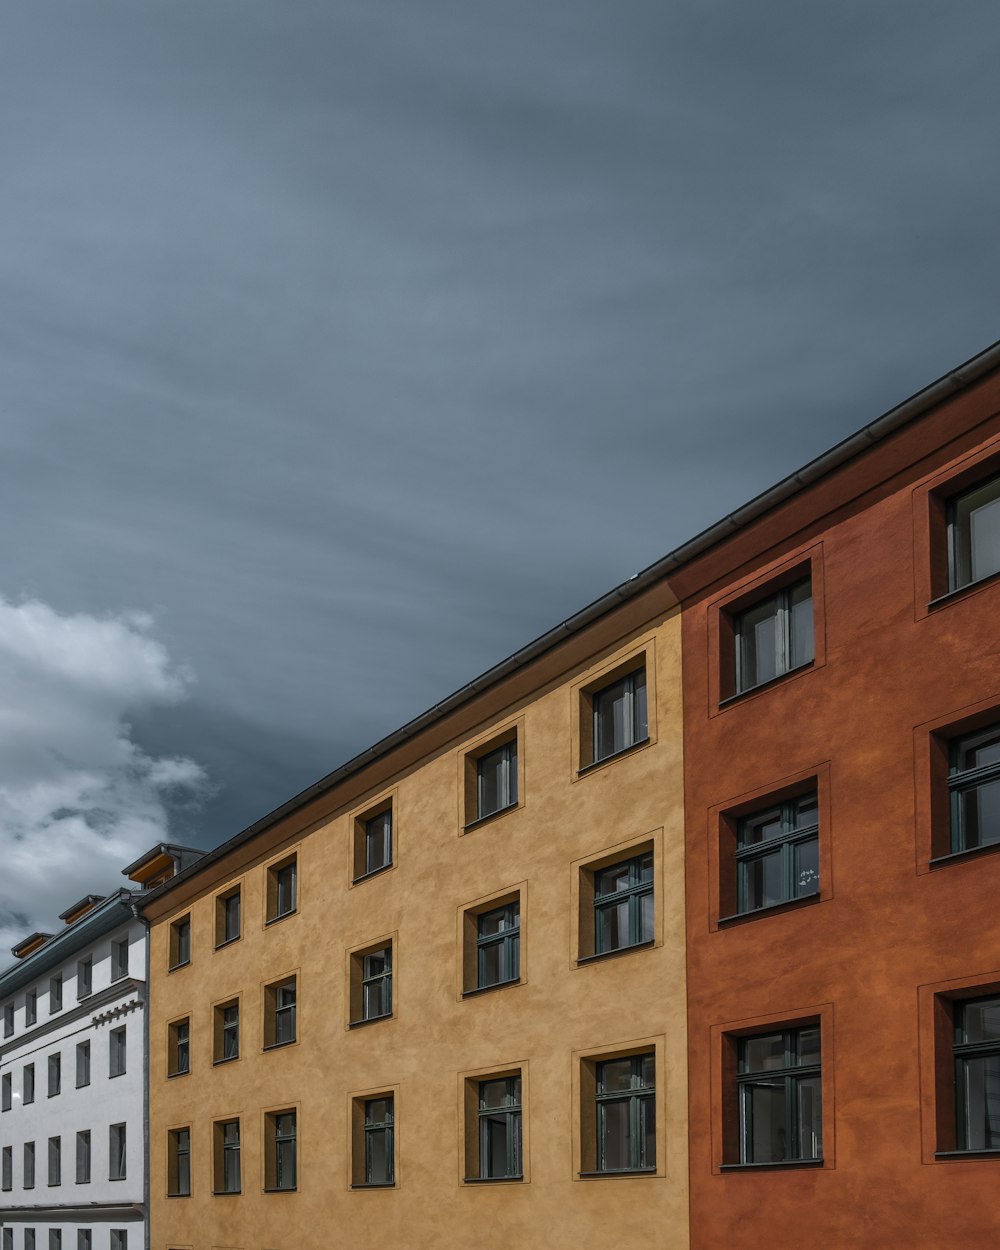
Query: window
x=780, y=1097
x=777, y=854
x=281, y=889
x=227, y=1157
x=29, y=1165
x=7, y=1168
x=55, y=1239
x=774, y=636
x=83, y=1240
x=623, y=904
x=82, y=1064
x=119, y=1239
x=496, y=780
x=499, y=1128
x=227, y=1031
x=377, y=1159
x=55, y=1160
x=116, y=1152
x=373, y=842
x=119, y=959
x=371, y=984
x=28, y=1084
x=84, y=978
x=55, y=1075
x=625, y=1110
x=619, y=717
x=83, y=1157
x=279, y=1013
x=8, y=1019
x=974, y=785
x=179, y=1048
x=30, y=1007
x=180, y=942
x=6, y=1087
x=116, y=1052
x=29, y=1239
x=8, y=1239
x=977, y=1074
x=227, y=917
x=498, y=945
x=280, y=1162
x=974, y=534
x=179, y=1163
x=55, y=994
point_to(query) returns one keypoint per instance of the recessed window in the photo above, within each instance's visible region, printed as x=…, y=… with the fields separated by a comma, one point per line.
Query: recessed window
x=227, y=917
x=371, y=983
x=977, y=1074
x=280, y=1013
x=623, y=904
x=373, y=841
x=374, y=1157
x=280, y=1147
x=497, y=1132
x=779, y=1090
x=227, y=1031
x=55, y=1075
x=119, y=959
x=179, y=1163
x=29, y=1165
x=777, y=854
x=774, y=636
x=55, y=994
x=116, y=1152
x=498, y=945
x=116, y=1052
x=8, y=1239
x=28, y=1084
x=7, y=1168
x=84, y=978
x=6, y=1091
x=82, y=1064
x=974, y=784
x=30, y=1007
x=83, y=1157
x=83, y=1239
x=180, y=942
x=282, y=889
x=227, y=1156
x=29, y=1239
x=619, y=715
x=119, y=1239
x=974, y=534
x=55, y=1239
x=55, y=1160
x=179, y=1048
x=626, y=1114
x=496, y=780
x=8, y=1019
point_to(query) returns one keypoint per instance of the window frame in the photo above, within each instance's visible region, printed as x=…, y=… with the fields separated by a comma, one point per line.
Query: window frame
x=6, y=1091
x=382, y=980
x=225, y=1151
x=226, y=1033
x=117, y=1152
x=30, y=1008
x=508, y=940
x=386, y=1128
x=273, y=1012
x=954, y=537
x=55, y=993
x=965, y=1052
x=7, y=1168
x=53, y=1068
x=274, y=1142
x=224, y=916
x=28, y=1166
x=27, y=1084
x=119, y=959
x=54, y=1161
x=512, y=1112
x=506, y=742
x=83, y=1164
x=117, y=1051
x=277, y=904
x=179, y=1162
x=359, y=979
x=640, y=1097
x=961, y=781
x=179, y=953
x=635, y=720
x=175, y=1043
x=632, y=894
x=83, y=1063
x=84, y=978
x=792, y=1075
x=784, y=661
x=786, y=843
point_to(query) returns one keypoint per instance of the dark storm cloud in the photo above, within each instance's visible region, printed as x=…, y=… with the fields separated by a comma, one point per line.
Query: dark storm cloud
x=360, y=342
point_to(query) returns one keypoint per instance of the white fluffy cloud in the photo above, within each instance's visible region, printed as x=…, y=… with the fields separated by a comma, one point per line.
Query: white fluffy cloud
x=79, y=799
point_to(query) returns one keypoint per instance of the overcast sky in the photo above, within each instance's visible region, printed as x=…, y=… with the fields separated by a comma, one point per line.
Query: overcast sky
x=347, y=345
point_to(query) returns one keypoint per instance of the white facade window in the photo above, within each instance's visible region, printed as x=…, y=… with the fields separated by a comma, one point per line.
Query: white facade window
x=116, y=1052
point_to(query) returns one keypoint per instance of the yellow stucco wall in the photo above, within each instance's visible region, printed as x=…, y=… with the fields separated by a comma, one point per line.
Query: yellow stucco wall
x=560, y=1012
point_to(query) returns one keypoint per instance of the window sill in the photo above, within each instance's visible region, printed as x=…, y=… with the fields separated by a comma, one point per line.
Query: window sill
x=358, y=1024
x=375, y=1185
x=284, y=916
x=491, y=1180
x=788, y=904
x=375, y=872
x=970, y=852
x=187, y=1195
x=279, y=1045
x=621, y=950
x=226, y=1193
x=217, y=1063
x=221, y=946
x=185, y=963
x=484, y=820
x=171, y=1075
x=967, y=1154
x=485, y=989
x=961, y=591
x=281, y=1189
x=760, y=1167
x=615, y=755
x=764, y=685
x=618, y=1172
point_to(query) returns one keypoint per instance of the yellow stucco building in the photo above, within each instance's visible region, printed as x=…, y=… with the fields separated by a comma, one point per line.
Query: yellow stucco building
x=439, y=998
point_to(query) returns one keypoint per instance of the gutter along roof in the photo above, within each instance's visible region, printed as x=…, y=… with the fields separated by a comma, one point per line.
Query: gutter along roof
x=923, y=401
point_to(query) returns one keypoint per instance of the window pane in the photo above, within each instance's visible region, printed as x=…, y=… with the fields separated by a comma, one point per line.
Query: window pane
x=492, y=922
x=493, y=1093
x=981, y=814
x=645, y=867
x=801, y=624
x=610, y=880
x=646, y=918
x=981, y=1021
x=980, y=750
x=611, y=715
x=378, y=841
x=612, y=927
x=494, y=1142
x=761, y=828
x=640, y=721
x=647, y=1071
x=977, y=533
x=806, y=868
x=376, y=999
x=613, y=1146
x=497, y=779
x=981, y=1095
x=379, y=1110
x=615, y=1075
x=490, y=965
x=809, y=1117
x=758, y=636
x=762, y=881
x=805, y=812
x=764, y=1054
x=647, y=1132
x=764, y=1109
x=808, y=1046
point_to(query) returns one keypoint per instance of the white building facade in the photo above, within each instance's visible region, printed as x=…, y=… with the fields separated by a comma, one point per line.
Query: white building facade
x=73, y=1154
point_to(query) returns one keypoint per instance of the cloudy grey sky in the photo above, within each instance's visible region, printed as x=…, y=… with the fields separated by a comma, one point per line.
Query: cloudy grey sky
x=346, y=345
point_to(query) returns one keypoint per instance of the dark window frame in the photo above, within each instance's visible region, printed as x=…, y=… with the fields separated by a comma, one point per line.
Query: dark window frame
x=119, y=959
x=791, y=1076
x=784, y=661
x=281, y=1169
x=117, y=1152
x=640, y=1097
x=962, y=781
x=965, y=1053
x=387, y=1129
x=791, y=837
x=179, y=1163
x=959, y=536
x=117, y=1051
x=507, y=939
x=84, y=1157
x=635, y=720
x=83, y=1064
x=382, y=980
x=633, y=893
x=511, y=1112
